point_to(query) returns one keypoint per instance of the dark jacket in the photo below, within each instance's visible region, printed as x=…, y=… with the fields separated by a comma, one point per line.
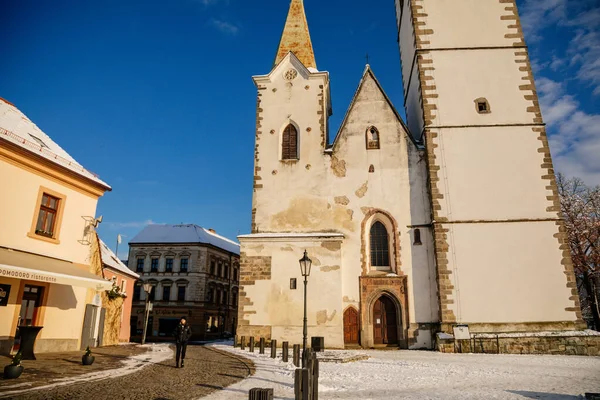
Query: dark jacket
x=182, y=333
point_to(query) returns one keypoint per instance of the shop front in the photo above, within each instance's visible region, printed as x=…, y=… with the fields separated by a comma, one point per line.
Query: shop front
x=43, y=302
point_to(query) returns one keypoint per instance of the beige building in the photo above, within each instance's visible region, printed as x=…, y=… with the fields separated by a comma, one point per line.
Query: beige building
x=47, y=218
x=194, y=272
x=450, y=219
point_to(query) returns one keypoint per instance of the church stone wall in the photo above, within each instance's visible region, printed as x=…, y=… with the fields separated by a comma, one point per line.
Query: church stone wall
x=270, y=308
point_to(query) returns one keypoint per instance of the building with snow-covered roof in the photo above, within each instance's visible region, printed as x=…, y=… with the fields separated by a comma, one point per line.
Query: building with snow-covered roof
x=194, y=273
x=49, y=285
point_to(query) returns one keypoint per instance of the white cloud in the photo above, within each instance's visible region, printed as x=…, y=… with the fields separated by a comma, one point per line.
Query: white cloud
x=133, y=224
x=574, y=135
x=582, y=21
x=224, y=26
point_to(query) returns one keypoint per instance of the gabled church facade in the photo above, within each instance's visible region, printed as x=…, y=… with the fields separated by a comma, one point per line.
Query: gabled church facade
x=392, y=217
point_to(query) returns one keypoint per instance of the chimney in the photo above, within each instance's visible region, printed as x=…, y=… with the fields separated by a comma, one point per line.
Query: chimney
x=212, y=230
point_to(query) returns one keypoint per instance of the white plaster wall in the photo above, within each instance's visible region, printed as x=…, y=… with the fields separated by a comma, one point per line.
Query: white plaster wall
x=508, y=272
x=414, y=110
x=18, y=211
x=461, y=77
x=276, y=305
x=466, y=23
x=64, y=312
x=406, y=42
x=492, y=173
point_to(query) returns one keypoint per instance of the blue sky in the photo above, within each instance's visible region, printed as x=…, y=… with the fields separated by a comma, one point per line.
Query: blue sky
x=157, y=98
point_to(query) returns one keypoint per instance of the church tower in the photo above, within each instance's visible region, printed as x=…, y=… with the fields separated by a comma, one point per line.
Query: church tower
x=502, y=260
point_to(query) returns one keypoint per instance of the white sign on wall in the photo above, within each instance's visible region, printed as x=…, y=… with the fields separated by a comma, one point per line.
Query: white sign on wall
x=461, y=332
x=97, y=301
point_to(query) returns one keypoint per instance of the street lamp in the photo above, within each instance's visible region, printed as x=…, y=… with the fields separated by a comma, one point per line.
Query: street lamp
x=305, y=264
x=148, y=289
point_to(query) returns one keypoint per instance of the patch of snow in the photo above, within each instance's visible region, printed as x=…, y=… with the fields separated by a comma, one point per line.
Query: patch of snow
x=156, y=354
x=110, y=259
x=409, y=375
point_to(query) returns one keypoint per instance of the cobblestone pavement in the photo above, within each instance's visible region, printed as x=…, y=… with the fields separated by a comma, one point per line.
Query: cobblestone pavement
x=52, y=366
x=206, y=370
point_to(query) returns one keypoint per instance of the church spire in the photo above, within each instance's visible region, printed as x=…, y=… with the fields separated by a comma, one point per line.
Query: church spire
x=295, y=37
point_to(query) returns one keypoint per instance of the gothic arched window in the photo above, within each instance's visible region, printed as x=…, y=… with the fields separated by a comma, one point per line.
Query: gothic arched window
x=289, y=143
x=380, y=253
x=372, y=136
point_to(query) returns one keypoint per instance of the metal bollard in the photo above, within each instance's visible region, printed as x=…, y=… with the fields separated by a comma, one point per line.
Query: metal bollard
x=273, y=348
x=243, y=343
x=296, y=355
x=252, y=344
x=284, y=351
x=261, y=345
x=235, y=341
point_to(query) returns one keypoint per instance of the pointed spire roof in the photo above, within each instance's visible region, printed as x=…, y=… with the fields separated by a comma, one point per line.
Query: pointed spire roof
x=295, y=37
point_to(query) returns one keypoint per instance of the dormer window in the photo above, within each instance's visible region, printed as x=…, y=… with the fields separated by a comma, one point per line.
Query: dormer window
x=289, y=143
x=372, y=137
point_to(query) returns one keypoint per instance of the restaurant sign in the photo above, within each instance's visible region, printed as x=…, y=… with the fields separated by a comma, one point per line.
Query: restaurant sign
x=4, y=293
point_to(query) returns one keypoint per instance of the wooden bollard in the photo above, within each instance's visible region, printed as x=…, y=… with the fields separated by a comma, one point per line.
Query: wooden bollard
x=296, y=355
x=252, y=344
x=261, y=345
x=284, y=351
x=243, y=343
x=273, y=348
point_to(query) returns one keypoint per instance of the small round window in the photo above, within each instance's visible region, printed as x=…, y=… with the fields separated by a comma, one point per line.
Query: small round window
x=290, y=74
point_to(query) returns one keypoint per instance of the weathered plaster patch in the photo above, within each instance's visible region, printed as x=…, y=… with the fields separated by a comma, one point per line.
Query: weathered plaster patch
x=316, y=262
x=311, y=214
x=350, y=213
x=347, y=299
x=362, y=190
x=332, y=246
x=322, y=317
x=258, y=249
x=338, y=167
x=366, y=210
x=288, y=248
x=343, y=200
x=329, y=268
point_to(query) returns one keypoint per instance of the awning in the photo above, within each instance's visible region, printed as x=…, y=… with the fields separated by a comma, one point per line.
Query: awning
x=20, y=265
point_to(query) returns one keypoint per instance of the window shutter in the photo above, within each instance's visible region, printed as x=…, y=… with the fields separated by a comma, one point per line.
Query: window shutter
x=289, y=143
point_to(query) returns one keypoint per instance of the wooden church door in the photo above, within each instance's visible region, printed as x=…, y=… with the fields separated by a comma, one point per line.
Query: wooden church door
x=385, y=322
x=351, y=326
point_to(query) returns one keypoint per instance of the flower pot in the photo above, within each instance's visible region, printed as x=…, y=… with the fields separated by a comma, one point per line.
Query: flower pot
x=13, y=371
x=87, y=360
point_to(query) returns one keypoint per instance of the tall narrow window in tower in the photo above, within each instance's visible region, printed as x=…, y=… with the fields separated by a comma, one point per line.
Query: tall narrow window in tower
x=417, y=241
x=380, y=253
x=372, y=136
x=289, y=143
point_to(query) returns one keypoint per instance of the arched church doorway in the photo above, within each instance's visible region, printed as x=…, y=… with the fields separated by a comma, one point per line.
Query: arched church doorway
x=385, y=321
x=351, y=326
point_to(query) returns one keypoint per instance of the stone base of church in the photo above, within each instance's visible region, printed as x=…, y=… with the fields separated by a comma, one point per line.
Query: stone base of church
x=583, y=343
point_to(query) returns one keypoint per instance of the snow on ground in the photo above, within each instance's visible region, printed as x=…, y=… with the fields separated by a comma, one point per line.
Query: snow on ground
x=156, y=354
x=429, y=375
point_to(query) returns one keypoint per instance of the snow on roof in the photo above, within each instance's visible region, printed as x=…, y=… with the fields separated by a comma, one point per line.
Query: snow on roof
x=110, y=260
x=16, y=128
x=190, y=233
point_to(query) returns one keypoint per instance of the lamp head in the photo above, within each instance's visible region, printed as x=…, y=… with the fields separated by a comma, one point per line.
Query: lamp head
x=305, y=264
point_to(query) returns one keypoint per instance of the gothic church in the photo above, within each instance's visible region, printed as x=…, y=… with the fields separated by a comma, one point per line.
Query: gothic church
x=450, y=218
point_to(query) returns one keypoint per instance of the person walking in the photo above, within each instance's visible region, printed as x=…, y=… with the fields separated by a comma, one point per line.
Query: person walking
x=182, y=334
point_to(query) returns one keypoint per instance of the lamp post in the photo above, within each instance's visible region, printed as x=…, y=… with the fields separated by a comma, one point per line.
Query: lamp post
x=305, y=264
x=148, y=289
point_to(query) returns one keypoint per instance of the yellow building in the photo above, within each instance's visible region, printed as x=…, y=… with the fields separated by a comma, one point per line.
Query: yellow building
x=47, y=217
